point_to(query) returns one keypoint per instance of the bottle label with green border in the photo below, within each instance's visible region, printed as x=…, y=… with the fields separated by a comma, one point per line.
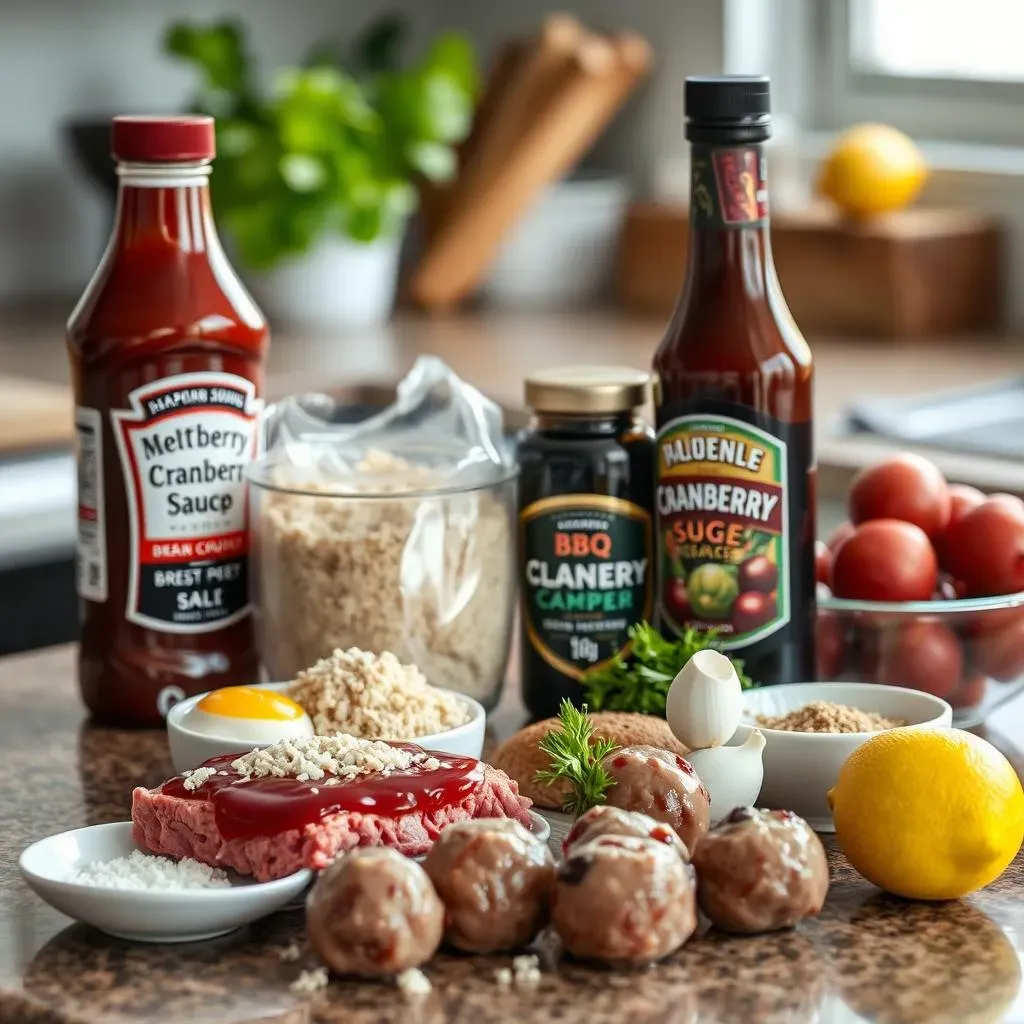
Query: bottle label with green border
x=586, y=578
x=722, y=543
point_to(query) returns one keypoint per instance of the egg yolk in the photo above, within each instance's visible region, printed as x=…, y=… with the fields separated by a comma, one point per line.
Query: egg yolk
x=250, y=702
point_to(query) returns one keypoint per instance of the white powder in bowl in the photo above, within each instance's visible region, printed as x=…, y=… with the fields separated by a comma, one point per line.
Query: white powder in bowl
x=145, y=871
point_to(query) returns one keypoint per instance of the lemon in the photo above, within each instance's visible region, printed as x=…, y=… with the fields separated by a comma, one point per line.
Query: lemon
x=928, y=814
x=871, y=169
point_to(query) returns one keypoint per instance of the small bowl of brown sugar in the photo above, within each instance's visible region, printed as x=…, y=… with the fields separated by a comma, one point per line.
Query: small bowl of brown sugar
x=810, y=729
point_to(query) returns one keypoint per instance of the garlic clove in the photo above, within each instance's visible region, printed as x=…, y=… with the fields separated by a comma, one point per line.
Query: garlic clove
x=705, y=701
x=732, y=775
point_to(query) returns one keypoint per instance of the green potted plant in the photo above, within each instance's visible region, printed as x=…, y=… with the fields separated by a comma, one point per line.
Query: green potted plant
x=316, y=176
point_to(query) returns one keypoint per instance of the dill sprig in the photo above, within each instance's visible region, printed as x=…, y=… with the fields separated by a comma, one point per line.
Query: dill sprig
x=576, y=756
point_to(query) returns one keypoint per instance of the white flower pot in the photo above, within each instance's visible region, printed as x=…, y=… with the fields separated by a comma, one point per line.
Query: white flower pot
x=339, y=285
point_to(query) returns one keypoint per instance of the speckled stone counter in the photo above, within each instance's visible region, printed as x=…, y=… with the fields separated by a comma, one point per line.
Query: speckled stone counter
x=867, y=957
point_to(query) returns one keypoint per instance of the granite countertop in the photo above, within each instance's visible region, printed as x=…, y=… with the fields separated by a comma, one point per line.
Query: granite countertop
x=867, y=957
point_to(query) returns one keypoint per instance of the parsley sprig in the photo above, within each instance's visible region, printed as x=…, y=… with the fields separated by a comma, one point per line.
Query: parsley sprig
x=639, y=681
x=576, y=756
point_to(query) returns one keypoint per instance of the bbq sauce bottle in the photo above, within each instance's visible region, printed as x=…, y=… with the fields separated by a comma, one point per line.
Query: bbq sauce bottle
x=585, y=490
x=735, y=474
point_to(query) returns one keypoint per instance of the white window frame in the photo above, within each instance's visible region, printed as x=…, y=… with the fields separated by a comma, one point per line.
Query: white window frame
x=956, y=110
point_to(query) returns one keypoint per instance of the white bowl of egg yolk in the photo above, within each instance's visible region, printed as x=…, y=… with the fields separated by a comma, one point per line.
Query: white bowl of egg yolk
x=235, y=719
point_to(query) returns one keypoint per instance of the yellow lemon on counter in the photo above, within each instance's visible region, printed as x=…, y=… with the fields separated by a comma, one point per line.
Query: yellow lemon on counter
x=928, y=814
x=872, y=168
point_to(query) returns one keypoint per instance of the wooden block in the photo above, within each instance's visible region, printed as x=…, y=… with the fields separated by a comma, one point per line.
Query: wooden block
x=910, y=274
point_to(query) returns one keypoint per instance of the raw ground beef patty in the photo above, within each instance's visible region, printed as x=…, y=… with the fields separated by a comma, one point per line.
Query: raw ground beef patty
x=177, y=827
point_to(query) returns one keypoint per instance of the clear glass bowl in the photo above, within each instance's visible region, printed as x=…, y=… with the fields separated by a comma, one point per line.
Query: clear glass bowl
x=969, y=652
x=428, y=574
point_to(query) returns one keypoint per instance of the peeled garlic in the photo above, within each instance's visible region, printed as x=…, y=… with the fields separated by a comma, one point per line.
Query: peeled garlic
x=731, y=775
x=705, y=701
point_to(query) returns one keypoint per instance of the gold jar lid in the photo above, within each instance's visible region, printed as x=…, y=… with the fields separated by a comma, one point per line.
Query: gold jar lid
x=579, y=390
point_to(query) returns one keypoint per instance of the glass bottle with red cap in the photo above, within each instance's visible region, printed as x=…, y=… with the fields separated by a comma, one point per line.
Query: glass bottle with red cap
x=167, y=351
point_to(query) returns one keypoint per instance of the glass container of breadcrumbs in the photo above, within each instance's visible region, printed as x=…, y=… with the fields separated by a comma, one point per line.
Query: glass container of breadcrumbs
x=585, y=500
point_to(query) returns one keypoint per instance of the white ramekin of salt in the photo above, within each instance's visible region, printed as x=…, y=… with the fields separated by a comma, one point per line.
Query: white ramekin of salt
x=99, y=876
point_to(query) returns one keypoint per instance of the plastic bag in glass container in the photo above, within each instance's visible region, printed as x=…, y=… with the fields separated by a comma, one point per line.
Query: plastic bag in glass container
x=393, y=533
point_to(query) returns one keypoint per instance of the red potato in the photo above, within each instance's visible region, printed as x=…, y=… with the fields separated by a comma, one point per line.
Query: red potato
x=758, y=573
x=970, y=692
x=1011, y=501
x=985, y=549
x=885, y=560
x=906, y=487
x=830, y=647
x=751, y=610
x=999, y=651
x=842, y=532
x=922, y=656
x=822, y=562
x=962, y=499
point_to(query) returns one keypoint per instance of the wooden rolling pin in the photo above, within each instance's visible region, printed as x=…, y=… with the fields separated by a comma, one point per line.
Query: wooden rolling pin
x=539, y=73
x=437, y=198
x=602, y=76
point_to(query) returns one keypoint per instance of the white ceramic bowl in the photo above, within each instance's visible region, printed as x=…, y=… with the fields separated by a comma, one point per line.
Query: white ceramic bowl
x=190, y=749
x=801, y=767
x=174, y=915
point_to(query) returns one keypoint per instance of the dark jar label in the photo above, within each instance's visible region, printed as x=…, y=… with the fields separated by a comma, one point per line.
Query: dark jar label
x=586, y=578
x=723, y=540
x=185, y=444
x=728, y=187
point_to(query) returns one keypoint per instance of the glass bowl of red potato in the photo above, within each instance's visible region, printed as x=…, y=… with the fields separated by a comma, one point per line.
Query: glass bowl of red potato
x=923, y=587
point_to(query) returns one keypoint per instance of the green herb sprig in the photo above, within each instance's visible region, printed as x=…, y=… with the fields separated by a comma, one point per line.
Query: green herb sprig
x=576, y=757
x=639, y=681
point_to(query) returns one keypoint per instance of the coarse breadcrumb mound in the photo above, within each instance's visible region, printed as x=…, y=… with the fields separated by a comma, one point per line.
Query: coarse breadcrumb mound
x=430, y=576
x=374, y=697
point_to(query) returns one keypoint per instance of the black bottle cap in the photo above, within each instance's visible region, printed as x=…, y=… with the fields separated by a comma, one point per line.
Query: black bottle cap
x=728, y=108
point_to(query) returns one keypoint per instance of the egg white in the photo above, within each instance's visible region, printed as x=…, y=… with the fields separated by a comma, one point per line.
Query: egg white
x=247, y=730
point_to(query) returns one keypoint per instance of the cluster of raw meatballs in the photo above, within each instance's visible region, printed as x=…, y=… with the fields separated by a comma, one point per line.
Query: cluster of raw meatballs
x=626, y=892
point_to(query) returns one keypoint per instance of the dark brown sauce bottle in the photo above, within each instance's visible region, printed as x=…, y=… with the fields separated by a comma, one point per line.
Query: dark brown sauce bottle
x=735, y=467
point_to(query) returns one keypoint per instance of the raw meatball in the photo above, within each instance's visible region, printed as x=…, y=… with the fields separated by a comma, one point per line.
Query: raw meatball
x=373, y=912
x=660, y=784
x=758, y=871
x=624, y=901
x=613, y=821
x=495, y=880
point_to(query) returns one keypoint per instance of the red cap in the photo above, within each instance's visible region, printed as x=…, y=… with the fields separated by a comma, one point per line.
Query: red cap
x=162, y=140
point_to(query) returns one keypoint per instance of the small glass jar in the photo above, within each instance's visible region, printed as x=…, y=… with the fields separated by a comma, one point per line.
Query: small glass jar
x=586, y=491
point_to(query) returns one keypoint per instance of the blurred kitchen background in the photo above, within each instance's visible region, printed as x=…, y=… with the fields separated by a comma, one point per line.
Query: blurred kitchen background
x=528, y=221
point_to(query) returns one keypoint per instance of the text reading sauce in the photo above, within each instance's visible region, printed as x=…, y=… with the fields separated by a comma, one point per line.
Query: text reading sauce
x=167, y=353
x=246, y=808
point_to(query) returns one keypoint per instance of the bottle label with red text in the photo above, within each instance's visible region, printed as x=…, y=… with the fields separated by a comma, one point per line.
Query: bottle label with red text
x=185, y=443
x=722, y=540
x=728, y=187
x=585, y=578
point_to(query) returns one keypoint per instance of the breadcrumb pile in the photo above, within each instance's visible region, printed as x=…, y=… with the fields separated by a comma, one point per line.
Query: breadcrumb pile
x=374, y=697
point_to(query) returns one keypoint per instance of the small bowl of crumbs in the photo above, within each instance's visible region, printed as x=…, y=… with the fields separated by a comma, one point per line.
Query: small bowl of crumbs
x=810, y=729
x=367, y=695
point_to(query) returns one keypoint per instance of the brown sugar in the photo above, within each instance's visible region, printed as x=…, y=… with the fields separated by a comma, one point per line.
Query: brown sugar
x=824, y=716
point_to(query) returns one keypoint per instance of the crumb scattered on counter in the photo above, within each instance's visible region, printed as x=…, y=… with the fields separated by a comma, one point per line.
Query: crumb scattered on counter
x=526, y=971
x=309, y=982
x=825, y=717
x=290, y=953
x=413, y=984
